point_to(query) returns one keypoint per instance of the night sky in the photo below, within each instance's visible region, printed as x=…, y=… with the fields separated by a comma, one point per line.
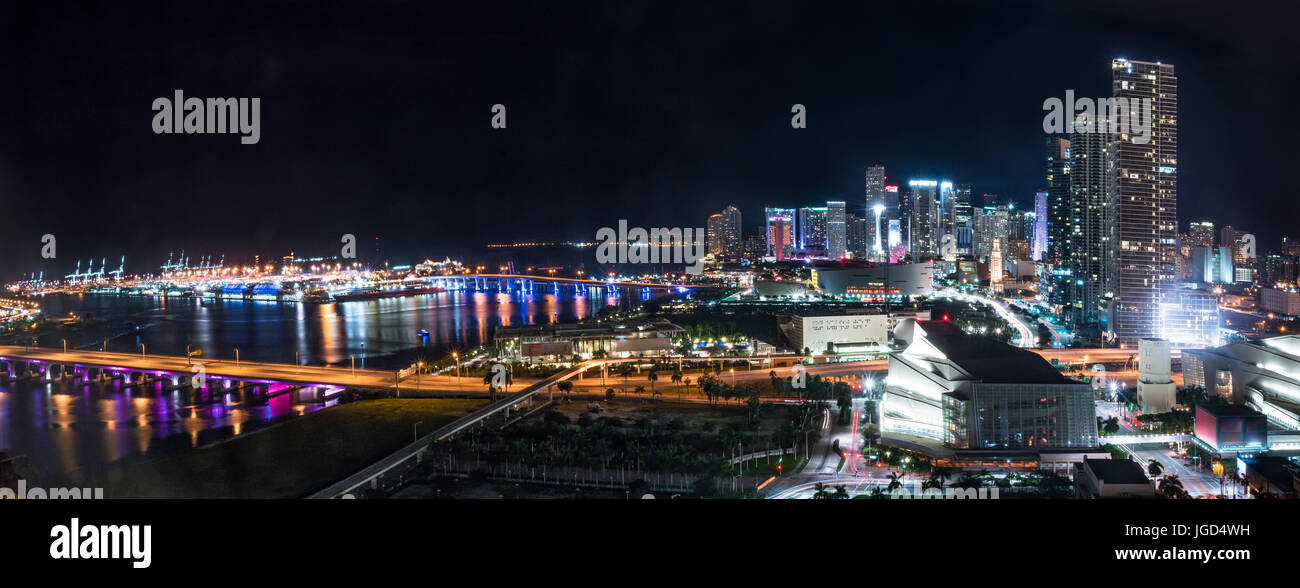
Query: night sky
x=375, y=116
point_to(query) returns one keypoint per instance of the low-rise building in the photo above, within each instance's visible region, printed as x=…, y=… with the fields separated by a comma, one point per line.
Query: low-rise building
x=1156, y=392
x=1273, y=476
x=875, y=281
x=835, y=332
x=1229, y=428
x=562, y=341
x=1283, y=301
x=1112, y=478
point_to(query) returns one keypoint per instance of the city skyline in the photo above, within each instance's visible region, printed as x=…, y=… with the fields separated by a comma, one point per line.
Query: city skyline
x=296, y=180
x=290, y=266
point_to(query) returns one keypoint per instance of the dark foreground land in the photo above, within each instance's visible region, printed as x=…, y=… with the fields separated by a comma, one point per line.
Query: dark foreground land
x=287, y=460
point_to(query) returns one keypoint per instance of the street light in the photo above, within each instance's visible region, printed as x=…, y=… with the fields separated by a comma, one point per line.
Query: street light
x=236, y=357
x=142, y=350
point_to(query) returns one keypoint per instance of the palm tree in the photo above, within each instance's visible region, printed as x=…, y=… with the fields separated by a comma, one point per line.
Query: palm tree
x=820, y=492
x=653, y=376
x=1172, y=487
x=840, y=493
x=677, y=379
x=1154, y=468
x=895, y=481
x=565, y=386
x=639, y=390
x=939, y=476
x=708, y=385
x=624, y=370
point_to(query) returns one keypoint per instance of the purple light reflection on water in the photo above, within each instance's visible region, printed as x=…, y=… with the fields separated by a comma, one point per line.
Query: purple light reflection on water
x=65, y=426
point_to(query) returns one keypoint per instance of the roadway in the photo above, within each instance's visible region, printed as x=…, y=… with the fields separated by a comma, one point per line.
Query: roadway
x=1027, y=336
x=1058, y=339
x=248, y=371
x=1198, y=483
x=402, y=456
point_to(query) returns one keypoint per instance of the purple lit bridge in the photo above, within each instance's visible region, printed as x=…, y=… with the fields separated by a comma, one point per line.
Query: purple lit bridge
x=170, y=372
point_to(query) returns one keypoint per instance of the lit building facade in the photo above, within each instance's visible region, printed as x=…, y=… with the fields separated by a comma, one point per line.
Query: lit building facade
x=1261, y=375
x=1201, y=234
x=1211, y=265
x=724, y=234
x=780, y=232
x=813, y=222
x=971, y=392
x=836, y=230
x=875, y=195
x=1146, y=182
x=923, y=232
x=1189, y=318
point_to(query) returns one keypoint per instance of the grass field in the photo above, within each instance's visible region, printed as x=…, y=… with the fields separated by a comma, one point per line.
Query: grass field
x=287, y=460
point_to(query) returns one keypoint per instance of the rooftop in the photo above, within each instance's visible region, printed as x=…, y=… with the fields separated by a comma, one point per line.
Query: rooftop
x=590, y=329
x=1117, y=471
x=990, y=360
x=1277, y=470
x=1229, y=410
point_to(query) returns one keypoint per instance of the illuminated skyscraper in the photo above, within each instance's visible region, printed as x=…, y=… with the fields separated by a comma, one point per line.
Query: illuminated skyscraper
x=875, y=194
x=1201, y=234
x=923, y=234
x=1058, y=282
x=724, y=234
x=1090, y=256
x=963, y=218
x=836, y=235
x=1236, y=239
x=991, y=222
x=1040, y=226
x=857, y=235
x=780, y=232
x=812, y=230
x=947, y=222
x=1147, y=196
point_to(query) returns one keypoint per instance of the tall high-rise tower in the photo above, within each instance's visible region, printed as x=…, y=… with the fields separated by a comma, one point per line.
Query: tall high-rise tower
x=1090, y=258
x=837, y=239
x=1147, y=197
x=1201, y=233
x=724, y=234
x=780, y=232
x=875, y=191
x=924, y=231
x=812, y=230
x=1058, y=282
x=1040, y=226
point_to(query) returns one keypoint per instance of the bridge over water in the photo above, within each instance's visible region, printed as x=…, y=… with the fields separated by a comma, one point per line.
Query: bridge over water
x=20, y=363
